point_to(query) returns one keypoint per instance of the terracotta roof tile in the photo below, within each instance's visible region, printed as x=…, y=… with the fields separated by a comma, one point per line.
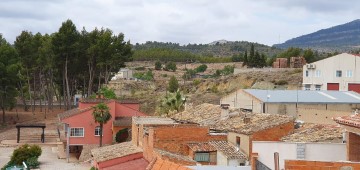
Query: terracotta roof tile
x=353, y=120
x=230, y=151
x=174, y=156
x=210, y=115
x=72, y=112
x=201, y=147
x=114, y=151
x=315, y=133
x=96, y=100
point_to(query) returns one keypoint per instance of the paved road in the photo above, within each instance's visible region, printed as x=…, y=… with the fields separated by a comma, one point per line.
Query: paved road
x=48, y=160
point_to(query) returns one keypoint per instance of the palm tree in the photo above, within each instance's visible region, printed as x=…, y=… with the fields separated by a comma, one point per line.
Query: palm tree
x=173, y=102
x=101, y=115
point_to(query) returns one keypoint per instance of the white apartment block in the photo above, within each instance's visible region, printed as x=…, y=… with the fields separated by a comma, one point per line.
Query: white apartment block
x=340, y=72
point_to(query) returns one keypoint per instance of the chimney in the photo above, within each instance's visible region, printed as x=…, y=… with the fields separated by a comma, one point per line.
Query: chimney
x=224, y=111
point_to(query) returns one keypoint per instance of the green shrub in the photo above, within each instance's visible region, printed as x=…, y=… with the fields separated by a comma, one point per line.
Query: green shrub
x=158, y=65
x=196, y=82
x=93, y=168
x=214, y=89
x=122, y=135
x=201, y=68
x=164, y=75
x=32, y=162
x=148, y=76
x=170, y=66
x=281, y=82
x=190, y=73
x=24, y=152
x=140, y=68
x=228, y=69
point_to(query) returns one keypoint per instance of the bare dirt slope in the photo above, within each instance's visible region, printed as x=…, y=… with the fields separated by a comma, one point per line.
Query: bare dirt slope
x=209, y=90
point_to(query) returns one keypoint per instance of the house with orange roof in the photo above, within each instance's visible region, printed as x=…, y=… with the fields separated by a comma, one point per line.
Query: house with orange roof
x=83, y=130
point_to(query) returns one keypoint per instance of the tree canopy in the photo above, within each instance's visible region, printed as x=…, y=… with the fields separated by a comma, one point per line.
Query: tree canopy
x=9, y=76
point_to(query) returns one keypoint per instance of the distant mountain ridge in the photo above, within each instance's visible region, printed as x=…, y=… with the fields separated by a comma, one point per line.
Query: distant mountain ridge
x=220, y=48
x=338, y=38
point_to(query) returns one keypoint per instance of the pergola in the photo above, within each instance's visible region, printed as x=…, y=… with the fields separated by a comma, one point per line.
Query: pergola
x=31, y=125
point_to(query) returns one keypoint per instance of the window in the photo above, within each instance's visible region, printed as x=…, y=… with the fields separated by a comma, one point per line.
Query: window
x=317, y=73
x=202, y=157
x=338, y=73
x=307, y=86
x=307, y=73
x=97, y=131
x=349, y=73
x=317, y=87
x=77, y=132
x=238, y=141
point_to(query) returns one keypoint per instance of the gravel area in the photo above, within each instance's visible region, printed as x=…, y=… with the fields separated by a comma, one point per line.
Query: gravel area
x=48, y=160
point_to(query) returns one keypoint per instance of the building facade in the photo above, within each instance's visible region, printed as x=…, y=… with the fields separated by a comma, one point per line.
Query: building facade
x=340, y=72
x=84, y=130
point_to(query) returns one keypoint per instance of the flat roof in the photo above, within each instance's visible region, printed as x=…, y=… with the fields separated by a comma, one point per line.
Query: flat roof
x=305, y=96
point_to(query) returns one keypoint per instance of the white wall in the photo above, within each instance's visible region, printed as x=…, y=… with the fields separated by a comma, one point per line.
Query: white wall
x=221, y=160
x=328, y=67
x=287, y=150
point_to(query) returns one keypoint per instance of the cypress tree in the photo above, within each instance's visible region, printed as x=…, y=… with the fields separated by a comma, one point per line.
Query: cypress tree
x=245, y=58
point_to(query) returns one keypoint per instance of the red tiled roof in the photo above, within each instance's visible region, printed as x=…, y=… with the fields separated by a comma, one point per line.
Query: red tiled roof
x=230, y=151
x=201, y=147
x=136, y=164
x=72, y=112
x=353, y=120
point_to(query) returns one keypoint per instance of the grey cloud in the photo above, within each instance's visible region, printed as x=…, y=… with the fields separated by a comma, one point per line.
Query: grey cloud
x=182, y=21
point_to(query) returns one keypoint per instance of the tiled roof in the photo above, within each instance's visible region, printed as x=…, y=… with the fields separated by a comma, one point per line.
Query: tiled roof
x=72, y=112
x=201, y=147
x=128, y=101
x=90, y=100
x=152, y=120
x=315, y=133
x=204, y=114
x=99, y=100
x=353, y=120
x=174, y=156
x=114, y=151
x=228, y=150
x=122, y=121
x=209, y=115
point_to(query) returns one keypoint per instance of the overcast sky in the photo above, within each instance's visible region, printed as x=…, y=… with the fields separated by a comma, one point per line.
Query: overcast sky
x=182, y=21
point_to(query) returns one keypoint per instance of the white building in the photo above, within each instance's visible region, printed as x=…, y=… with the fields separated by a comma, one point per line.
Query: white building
x=271, y=152
x=340, y=72
x=124, y=73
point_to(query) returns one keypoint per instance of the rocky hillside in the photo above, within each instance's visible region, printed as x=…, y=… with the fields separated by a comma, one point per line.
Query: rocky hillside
x=340, y=38
x=205, y=90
